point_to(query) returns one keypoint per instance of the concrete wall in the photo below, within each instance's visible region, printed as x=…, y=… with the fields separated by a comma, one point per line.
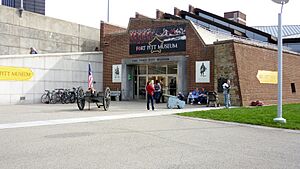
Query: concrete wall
x=61, y=70
x=47, y=35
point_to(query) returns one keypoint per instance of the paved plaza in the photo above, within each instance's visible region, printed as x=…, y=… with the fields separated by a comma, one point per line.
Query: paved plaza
x=128, y=136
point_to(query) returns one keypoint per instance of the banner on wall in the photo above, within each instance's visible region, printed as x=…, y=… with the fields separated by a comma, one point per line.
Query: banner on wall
x=202, y=72
x=117, y=73
x=158, y=40
x=15, y=73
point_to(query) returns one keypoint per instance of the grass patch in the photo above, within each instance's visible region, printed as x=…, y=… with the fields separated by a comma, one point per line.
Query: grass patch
x=253, y=115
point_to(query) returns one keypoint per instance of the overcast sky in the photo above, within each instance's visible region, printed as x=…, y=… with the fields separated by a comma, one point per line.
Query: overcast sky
x=90, y=12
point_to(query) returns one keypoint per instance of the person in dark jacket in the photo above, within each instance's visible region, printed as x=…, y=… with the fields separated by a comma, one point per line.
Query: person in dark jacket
x=157, y=91
x=150, y=93
x=33, y=51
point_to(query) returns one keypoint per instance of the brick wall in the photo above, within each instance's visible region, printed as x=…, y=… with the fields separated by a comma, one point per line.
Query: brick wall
x=250, y=59
x=116, y=48
x=229, y=59
x=106, y=29
x=226, y=67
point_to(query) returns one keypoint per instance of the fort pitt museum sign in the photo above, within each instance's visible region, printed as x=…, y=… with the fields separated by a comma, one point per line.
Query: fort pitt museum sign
x=15, y=73
x=158, y=40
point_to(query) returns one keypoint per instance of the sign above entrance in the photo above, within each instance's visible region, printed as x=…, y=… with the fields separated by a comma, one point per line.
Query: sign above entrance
x=158, y=40
x=15, y=73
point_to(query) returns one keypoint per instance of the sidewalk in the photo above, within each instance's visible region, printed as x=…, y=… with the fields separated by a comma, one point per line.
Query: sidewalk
x=36, y=112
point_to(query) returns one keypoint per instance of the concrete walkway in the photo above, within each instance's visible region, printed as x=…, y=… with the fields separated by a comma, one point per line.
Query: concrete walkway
x=128, y=136
x=13, y=116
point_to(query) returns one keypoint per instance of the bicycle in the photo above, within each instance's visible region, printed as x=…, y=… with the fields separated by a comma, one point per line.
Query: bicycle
x=45, y=98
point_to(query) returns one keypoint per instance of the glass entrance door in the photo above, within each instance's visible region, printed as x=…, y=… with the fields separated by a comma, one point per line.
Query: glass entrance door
x=165, y=73
x=142, y=80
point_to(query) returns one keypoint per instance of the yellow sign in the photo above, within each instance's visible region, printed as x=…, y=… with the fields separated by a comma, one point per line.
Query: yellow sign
x=268, y=77
x=15, y=73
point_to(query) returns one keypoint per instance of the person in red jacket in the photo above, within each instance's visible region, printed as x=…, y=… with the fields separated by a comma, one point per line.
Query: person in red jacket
x=150, y=93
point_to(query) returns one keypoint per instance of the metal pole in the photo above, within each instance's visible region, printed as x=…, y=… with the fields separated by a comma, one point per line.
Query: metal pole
x=21, y=4
x=279, y=104
x=107, y=10
x=21, y=9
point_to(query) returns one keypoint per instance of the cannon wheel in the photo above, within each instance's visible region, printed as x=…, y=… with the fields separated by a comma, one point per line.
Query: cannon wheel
x=106, y=99
x=80, y=99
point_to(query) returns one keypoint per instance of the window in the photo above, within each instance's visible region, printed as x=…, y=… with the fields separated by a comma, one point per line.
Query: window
x=293, y=87
x=172, y=69
x=206, y=16
x=156, y=69
x=260, y=37
x=142, y=70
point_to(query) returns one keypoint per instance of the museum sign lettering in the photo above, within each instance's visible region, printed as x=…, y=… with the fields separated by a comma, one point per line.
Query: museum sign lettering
x=15, y=73
x=158, y=40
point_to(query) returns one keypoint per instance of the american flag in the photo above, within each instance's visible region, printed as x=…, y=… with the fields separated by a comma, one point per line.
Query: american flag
x=90, y=80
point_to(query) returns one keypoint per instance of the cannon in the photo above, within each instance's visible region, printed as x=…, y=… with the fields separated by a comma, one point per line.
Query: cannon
x=174, y=101
x=90, y=96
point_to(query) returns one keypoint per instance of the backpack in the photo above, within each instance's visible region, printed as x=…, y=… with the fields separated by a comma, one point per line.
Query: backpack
x=156, y=87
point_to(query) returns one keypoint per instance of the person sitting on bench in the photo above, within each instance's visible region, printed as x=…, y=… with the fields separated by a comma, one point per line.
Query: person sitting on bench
x=194, y=96
x=202, y=96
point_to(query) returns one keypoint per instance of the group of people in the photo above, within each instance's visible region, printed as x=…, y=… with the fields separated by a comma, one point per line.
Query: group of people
x=154, y=92
x=198, y=96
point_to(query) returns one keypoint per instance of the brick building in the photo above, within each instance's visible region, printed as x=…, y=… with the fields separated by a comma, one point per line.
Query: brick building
x=193, y=51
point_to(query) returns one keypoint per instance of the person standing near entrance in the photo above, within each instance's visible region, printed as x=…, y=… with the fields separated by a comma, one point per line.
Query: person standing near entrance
x=172, y=87
x=226, y=88
x=162, y=90
x=157, y=91
x=150, y=93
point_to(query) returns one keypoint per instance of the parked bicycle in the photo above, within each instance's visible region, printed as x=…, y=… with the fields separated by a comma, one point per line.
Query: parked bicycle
x=47, y=97
x=69, y=96
x=60, y=95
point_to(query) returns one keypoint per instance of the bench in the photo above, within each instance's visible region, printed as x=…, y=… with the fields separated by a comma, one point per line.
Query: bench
x=116, y=95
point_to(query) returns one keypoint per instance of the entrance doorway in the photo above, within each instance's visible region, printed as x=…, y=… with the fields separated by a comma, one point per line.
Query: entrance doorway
x=166, y=73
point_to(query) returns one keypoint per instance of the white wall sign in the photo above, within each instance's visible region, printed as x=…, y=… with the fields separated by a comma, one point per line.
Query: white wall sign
x=202, y=72
x=116, y=73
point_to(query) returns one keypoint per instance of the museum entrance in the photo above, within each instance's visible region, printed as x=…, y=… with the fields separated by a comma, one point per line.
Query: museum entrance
x=166, y=73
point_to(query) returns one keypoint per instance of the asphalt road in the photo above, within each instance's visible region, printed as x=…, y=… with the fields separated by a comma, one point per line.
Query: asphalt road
x=157, y=141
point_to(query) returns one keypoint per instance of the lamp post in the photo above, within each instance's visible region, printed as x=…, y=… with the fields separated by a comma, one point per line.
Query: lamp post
x=107, y=11
x=279, y=117
x=21, y=9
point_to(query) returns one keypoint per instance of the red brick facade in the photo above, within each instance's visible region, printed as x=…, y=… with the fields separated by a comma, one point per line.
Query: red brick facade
x=250, y=59
x=235, y=60
x=240, y=62
x=117, y=48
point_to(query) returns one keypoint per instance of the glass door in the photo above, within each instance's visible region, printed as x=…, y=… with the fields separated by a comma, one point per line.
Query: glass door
x=166, y=74
x=172, y=85
x=142, y=80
